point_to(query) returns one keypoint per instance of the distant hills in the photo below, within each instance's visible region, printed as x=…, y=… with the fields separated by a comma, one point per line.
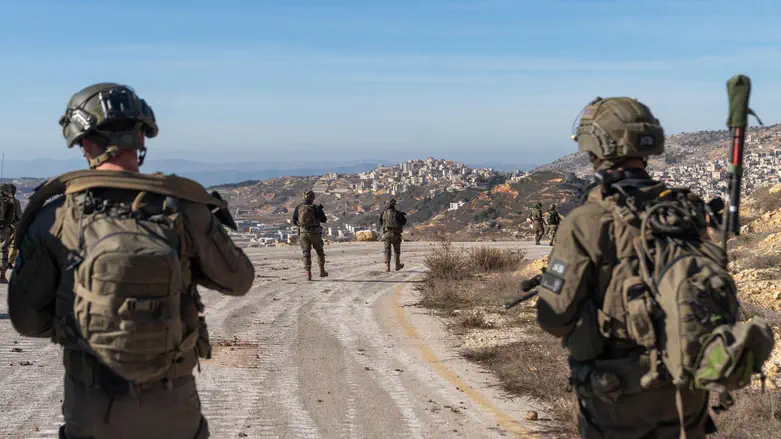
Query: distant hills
x=208, y=174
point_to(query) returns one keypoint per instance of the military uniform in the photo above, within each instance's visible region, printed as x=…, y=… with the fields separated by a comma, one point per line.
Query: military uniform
x=98, y=403
x=391, y=236
x=311, y=236
x=553, y=222
x=583, y=271
x=538, y=222
x=18, y=213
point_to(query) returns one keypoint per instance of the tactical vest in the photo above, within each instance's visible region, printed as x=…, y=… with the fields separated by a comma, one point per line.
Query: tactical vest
x=127, y=310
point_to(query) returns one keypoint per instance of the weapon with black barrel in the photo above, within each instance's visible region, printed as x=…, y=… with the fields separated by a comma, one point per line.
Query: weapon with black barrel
x=738, y=91
x=527, y=287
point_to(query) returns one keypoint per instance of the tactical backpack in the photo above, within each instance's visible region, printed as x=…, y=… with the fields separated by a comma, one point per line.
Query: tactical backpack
x=129, y=270
x=307, y=217
x=676, y=297
x=393, y=219
x=554, y=218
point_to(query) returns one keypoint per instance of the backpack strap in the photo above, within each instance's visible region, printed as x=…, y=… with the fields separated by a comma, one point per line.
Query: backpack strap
x=79, y=181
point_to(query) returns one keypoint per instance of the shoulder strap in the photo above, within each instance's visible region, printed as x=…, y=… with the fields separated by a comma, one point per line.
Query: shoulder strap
x=79, y=181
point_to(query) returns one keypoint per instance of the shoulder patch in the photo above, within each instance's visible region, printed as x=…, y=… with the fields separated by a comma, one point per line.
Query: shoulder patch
x=553, y=279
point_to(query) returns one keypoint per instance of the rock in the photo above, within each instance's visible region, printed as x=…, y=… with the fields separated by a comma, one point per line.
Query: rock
x=532, y=416
x=366, y=236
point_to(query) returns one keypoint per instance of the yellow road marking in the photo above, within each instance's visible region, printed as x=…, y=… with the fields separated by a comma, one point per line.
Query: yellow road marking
x=502, y=418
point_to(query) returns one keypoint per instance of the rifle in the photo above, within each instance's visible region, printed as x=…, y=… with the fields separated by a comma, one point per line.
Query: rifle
x=525, y=287
x=738, y=91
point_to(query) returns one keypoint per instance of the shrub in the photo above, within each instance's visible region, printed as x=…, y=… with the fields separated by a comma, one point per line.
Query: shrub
x=488, y=259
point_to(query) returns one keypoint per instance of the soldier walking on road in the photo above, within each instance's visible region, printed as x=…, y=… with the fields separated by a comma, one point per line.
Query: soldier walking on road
x=308, y=217
x=553, y=222
x=109, y=269
x=538, y=222
x=392, y=224
x=10, y=213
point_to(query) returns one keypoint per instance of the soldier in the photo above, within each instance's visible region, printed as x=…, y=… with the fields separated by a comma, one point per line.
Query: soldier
x=392, y=223
x=537, y=218
x=553, y=222
x=308, y=217
x=110, y=270
x=584, y=274
x=9, y=215
x=18, y=216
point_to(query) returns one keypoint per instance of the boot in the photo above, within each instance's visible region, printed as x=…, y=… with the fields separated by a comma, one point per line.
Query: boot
x=308, y=274
x=323, y=273
x=399, y=265
x=387, y=267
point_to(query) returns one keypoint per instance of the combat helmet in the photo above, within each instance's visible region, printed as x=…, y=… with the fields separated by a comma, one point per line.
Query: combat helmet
x=614, y=129
x=309, y=195
x=391, y=203
x=113, y=116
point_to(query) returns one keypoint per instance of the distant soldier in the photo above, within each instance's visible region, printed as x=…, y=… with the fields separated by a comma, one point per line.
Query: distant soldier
x=538, y=222
x=109, y=264
x=10, y=212
x=308, y=217
x=553, y=222
x=392, y=223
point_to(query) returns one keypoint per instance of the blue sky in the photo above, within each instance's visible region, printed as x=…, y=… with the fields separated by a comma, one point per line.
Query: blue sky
x=474, y=80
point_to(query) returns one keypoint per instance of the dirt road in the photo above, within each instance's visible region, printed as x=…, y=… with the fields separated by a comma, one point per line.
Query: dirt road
x=343, y=357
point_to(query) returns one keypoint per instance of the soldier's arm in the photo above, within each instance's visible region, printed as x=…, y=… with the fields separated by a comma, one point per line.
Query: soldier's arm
x=217, y=262
x=321, y=216
x=295, y=216
x=33, y=287
x=571, y=272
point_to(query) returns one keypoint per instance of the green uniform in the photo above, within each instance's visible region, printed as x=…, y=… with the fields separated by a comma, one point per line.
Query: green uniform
x=98, y=403
x=553, y=223
x=392, y=229
x=539, y=225
x=606, y=373
x=310, y=237
x=13, y=252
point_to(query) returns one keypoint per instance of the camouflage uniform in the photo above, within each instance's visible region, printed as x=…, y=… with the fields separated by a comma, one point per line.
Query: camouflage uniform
x=553, y=222
x=98, y=403
x=606, y=370
x=12, y=239
x=311, y=237
x=539, y=223
x=391, y=237
x=7, y=226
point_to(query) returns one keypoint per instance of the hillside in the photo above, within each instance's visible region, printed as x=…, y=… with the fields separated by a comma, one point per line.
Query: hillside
x=501, y=212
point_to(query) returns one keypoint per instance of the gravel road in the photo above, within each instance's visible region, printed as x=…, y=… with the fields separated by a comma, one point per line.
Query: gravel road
x=348, y=356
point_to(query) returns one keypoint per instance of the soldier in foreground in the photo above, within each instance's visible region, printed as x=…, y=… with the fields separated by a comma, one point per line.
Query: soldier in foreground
x=392, y=224
x=10, y=213
x=590, y=267
x=308, y=217
x=110, y=270
x=553, y=222
x=538, y=221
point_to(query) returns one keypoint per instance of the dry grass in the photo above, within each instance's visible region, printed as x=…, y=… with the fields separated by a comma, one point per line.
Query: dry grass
x=447, y=263
x=535, y=367
x=755, y=415
x=488, y=259
x=762, y=262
